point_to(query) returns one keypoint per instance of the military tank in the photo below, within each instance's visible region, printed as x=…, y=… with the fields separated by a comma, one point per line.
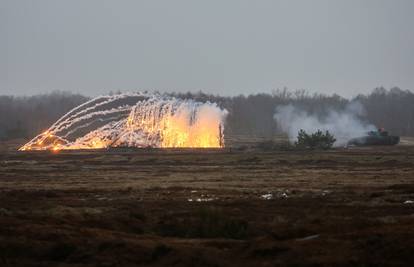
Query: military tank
x=379, y=137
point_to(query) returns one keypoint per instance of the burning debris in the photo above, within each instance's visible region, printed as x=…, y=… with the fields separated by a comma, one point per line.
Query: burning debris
x=135, y=120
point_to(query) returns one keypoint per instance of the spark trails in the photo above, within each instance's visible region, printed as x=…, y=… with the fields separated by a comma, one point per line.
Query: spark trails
x=135, y=120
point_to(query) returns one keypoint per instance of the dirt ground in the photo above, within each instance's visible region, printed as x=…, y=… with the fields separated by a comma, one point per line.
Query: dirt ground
x=149, y=207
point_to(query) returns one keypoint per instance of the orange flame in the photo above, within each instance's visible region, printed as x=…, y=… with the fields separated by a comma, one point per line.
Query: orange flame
x=159, y=123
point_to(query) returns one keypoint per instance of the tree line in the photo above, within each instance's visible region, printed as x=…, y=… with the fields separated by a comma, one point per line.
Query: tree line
x=393, y=109
x=25, y=117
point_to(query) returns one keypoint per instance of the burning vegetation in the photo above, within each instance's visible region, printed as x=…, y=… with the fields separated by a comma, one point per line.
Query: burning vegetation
x=135, y=120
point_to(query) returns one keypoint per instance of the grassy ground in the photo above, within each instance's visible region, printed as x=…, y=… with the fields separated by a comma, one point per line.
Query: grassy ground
x=345, y=207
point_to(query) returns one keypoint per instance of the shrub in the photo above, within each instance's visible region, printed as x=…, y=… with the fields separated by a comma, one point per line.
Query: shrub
x=317, y=140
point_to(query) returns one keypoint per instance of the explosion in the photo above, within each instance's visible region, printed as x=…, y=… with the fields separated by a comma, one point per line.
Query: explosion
x=135, y=120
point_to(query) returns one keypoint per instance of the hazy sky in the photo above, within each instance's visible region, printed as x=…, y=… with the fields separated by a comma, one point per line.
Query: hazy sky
x=218, y=46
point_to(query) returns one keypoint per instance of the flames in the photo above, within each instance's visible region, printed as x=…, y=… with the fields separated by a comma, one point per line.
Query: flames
x=152, y=121
x=179, y=124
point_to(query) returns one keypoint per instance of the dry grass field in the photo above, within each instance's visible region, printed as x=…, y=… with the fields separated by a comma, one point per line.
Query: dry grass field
x=230, y=207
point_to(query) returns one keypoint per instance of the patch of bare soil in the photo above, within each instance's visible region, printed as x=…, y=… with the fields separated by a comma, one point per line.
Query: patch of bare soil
x=152, y=207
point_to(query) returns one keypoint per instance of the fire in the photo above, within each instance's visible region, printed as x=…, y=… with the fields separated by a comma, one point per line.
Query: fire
x=181, y=128
x=153, y=121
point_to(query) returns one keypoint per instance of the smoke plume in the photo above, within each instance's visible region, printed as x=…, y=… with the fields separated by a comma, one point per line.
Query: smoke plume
x=135, y=120
x=344, y=124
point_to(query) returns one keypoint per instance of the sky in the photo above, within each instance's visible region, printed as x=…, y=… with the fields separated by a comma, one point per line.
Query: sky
x=226, y=47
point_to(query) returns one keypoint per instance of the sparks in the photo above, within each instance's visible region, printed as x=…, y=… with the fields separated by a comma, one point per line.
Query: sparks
x=135, y=120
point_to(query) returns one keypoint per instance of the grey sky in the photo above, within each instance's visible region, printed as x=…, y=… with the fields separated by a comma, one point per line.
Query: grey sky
x=218, y=46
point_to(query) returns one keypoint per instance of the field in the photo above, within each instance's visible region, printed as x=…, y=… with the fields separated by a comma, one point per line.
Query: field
x=230, y=207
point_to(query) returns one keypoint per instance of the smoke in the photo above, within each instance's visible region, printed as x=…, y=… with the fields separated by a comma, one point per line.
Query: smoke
x=344, y=125
x=135, y=120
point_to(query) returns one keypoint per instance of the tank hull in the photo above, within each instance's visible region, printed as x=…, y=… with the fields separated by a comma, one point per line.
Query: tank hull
x=374, y=141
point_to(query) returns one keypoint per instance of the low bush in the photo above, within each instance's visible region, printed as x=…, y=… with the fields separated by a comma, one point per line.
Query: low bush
x=316, y=140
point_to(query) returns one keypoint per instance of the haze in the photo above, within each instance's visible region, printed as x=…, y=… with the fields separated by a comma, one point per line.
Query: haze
x=221, y=47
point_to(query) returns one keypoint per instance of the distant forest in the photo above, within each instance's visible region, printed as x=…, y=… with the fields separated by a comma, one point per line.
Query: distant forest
x=393, y=109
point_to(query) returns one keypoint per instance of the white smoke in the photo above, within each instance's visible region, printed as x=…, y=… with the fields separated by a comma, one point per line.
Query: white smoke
x=344, y=125
x=135, y=120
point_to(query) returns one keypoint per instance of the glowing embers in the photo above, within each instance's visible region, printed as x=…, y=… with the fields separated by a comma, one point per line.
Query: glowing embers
x=174, y=123
x=135, y=120
x=44, y=141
